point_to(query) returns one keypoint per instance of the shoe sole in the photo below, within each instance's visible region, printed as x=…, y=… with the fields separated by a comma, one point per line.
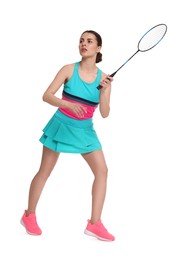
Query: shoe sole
x=33, y=234
x=96, y=236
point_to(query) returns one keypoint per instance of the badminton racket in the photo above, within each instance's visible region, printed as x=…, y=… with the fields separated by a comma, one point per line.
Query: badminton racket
x=149, y=40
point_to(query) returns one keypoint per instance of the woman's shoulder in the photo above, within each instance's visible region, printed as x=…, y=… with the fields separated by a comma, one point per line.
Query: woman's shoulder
x=67, y=70
x=104, y=75
x=68, y=66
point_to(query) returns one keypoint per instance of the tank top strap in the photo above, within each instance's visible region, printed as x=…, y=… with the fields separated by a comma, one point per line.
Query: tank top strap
x=99, y=76
x=76, y=67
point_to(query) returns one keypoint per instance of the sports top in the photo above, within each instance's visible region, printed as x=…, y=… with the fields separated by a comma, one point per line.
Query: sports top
x=78, y=91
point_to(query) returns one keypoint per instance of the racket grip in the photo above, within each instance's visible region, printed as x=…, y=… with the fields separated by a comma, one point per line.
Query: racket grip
x=99, y=87
x=112, y=75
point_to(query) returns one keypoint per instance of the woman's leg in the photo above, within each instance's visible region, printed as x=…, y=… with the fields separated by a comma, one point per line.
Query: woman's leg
x=48, y=161
x=96, y=162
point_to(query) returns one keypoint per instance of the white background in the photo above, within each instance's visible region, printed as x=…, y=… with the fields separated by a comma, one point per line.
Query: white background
x=142, y=139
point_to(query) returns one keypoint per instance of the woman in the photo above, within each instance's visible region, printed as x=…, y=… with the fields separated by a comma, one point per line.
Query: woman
x=70, y=130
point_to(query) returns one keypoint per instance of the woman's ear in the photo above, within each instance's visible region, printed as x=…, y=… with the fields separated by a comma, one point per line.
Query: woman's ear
x=99, y=49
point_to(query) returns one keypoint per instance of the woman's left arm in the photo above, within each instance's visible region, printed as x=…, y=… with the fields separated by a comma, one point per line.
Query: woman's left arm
x=105, y=93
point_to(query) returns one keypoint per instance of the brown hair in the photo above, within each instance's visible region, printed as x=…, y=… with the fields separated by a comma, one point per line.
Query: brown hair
x=99, y=43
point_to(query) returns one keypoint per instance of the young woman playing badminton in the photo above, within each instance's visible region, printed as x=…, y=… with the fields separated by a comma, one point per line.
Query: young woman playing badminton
x=70, y=130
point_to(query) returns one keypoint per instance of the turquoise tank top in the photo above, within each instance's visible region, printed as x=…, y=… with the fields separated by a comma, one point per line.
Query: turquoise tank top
x=78, y=91
x=81, y=90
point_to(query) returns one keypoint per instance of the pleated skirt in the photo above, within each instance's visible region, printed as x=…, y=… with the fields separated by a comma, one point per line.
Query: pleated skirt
x=68, y=135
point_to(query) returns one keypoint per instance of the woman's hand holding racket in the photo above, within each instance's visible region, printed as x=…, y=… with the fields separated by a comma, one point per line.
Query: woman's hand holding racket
x=106, y=83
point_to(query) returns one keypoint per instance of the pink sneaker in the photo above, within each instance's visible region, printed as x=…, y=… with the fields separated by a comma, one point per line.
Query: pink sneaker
x=99, y=231
x=30, y=224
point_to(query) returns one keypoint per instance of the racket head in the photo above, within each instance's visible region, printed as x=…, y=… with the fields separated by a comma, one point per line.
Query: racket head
x=152, y=37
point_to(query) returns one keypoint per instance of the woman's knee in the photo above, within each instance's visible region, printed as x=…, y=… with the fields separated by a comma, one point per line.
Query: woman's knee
x=43, y=174
x=103, y=172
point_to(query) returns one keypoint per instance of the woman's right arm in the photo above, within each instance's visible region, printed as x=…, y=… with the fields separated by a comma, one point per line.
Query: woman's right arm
x=61, y=77
x=49, y=96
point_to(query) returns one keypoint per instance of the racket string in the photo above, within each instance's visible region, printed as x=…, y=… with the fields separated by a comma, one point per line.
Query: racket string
x=152, y=37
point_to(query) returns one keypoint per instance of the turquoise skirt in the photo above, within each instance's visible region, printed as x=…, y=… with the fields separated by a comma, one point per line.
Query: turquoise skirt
x=68, y=135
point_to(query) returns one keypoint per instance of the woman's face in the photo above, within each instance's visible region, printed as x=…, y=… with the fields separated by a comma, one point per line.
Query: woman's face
x=88, y=46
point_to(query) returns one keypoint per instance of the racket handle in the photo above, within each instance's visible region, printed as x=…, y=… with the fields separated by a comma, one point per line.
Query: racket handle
x=99, y=87
x=112, y=75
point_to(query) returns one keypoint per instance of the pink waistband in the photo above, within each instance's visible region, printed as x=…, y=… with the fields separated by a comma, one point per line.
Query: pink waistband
x=89, y=110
